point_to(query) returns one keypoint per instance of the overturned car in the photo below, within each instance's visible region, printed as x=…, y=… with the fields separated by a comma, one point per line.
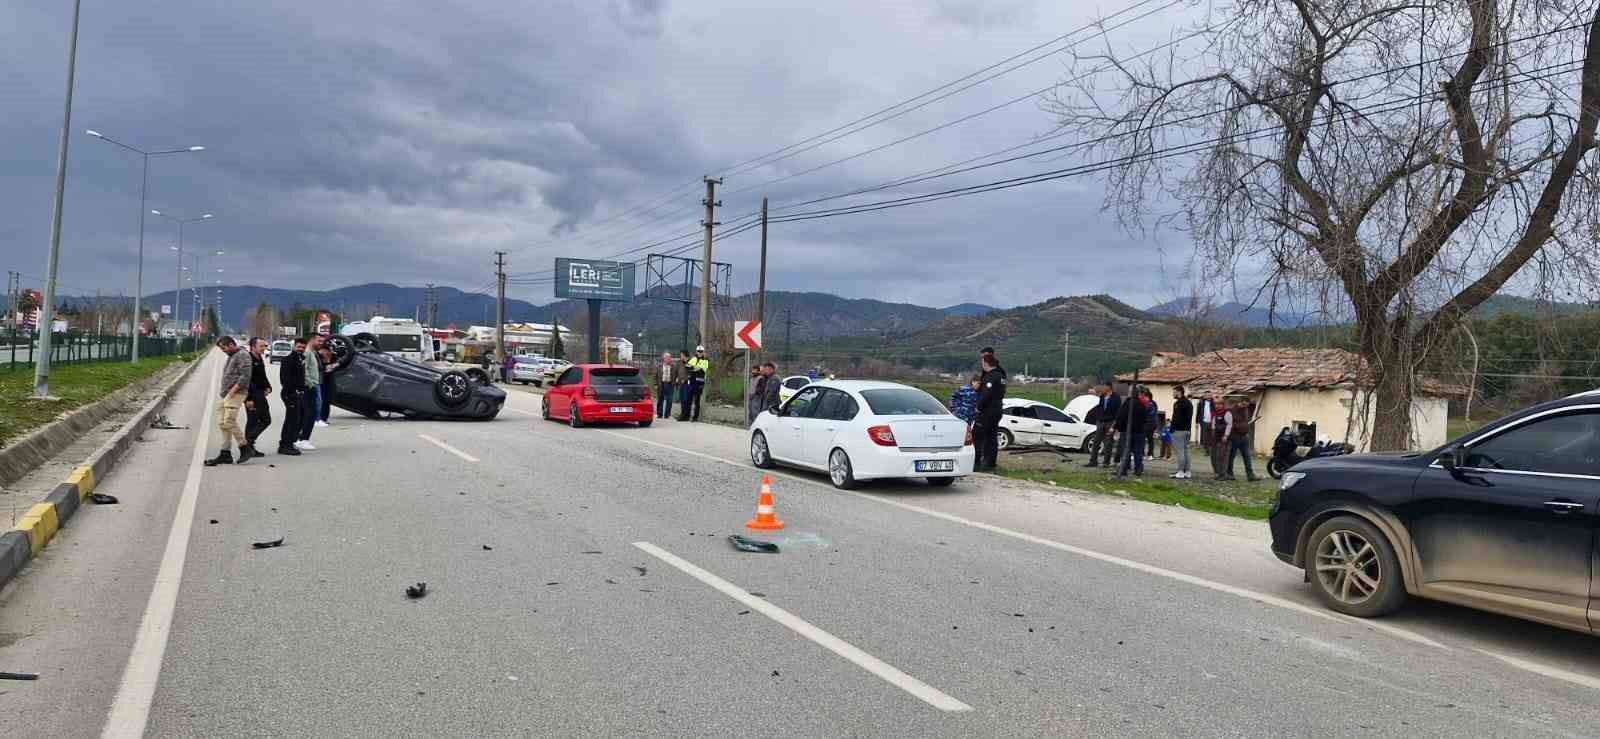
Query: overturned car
x=374, y=384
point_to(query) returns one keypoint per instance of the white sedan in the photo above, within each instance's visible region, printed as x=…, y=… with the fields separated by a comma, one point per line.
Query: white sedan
x=1033, y=423
x=860, y=430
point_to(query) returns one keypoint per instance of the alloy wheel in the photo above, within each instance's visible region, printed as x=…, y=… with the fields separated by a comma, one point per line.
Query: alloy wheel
x=838, y=467
x=758, y=449
x=1348, y=567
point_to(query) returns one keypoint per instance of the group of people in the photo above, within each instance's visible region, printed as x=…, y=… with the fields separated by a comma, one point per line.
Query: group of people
x=684, y=379
x=980, y=403
x=765, y=387
x=305, y=383
x=1127, y=426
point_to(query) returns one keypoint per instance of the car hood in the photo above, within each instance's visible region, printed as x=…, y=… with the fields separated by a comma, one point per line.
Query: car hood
x=1367, y=461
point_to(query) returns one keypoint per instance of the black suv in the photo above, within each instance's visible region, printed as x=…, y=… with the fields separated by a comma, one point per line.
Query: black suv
x=1503, y=519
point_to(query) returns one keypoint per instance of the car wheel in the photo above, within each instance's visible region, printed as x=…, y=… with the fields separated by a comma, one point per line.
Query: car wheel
x=544, y=407
x=646, y=424
x=573, y=419
x=1084, y=447
x=1005, y=441
x=452, y=389
x=1275, y=468
x=941, y=482
x=477, y=375
x=343, y=351
x=1354, y=569
x=760, y=453
x=840, y=472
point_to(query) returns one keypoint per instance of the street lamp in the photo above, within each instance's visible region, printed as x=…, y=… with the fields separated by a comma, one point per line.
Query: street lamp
x=41, y=367
x=144, y=183
x=178, y=291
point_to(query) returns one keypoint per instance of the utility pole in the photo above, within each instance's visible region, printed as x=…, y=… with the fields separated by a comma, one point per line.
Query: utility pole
x=761, y=284
x=710, y=224
x=788, y=330
x=13, y=287
x=1066, y=342
x=500, y=306
x=41, y=368
x=432, y=313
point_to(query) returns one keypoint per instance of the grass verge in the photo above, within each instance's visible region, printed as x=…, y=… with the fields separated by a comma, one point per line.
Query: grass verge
x=75, y=384
x=1238, y=499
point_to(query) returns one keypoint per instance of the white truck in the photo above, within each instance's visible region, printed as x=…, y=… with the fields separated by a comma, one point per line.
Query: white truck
x=399, y=336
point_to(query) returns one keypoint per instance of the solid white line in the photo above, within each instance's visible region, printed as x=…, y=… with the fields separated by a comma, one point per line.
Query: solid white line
x=130, y=709
x=447, y=447
x=1262, y=598
x=1546, y=670
x=929, y=694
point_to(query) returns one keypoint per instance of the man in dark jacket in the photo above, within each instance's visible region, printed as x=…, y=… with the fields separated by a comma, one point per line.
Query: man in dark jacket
x=1105, y=415
x=1182, y=422
x=292, y=386
x=991, y=399
x=1137, y=419
x=256, y=408
x=770, y=391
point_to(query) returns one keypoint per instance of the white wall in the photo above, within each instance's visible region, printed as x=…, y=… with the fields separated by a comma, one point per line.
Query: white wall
x=1330, y=410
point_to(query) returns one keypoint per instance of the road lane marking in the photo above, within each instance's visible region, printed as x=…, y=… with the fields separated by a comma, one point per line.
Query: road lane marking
x=447, y=447
x=523, y=412
x=130, y=709
x=1546, y=670
x=927, y=693
x=1259, y=597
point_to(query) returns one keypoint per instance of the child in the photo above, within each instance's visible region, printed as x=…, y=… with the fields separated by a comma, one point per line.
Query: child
x=1166, y=442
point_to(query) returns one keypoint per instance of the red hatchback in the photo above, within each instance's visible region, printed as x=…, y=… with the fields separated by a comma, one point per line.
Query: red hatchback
x=599, y=393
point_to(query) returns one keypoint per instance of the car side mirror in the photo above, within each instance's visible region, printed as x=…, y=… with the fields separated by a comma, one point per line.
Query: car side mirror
x=1453, y=460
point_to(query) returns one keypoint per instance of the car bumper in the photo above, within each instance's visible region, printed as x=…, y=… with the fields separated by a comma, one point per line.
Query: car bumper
x=894, y=462
x=644, y=410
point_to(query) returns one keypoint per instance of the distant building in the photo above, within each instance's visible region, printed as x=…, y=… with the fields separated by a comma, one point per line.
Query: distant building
x=1330, y=388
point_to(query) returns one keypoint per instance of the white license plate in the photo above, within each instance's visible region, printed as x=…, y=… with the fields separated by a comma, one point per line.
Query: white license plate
x=936, y=465
x=620, y=409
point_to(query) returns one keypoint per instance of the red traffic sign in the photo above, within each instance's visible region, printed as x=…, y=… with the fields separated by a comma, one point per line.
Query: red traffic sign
x=747, y=334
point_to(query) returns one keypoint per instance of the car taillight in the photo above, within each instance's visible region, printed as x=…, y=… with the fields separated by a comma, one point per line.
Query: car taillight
x=588, y=392
x=968, y=442
x=881, y=435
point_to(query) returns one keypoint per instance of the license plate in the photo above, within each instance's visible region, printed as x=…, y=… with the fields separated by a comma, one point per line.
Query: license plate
x=936, y=465
x=620, y=409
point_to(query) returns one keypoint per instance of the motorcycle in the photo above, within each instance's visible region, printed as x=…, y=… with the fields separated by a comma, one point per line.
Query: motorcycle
x=1286, y=452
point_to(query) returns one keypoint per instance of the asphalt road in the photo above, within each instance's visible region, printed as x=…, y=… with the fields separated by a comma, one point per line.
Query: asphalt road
x=580, y=583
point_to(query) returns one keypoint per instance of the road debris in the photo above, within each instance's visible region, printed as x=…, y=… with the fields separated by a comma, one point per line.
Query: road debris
x=610, y=581
x=592, y=551
x=103, y=499
x=552, y=583
x=161, y=422
x=416, y=591
x=488, y=548
x=19, y=676
x=752, y=545
x=642, y=571
x=214, y=521
x=278, y=542
x=742, y=613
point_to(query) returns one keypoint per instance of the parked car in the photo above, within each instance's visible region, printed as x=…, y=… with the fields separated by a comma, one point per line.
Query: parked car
x=1036, y=423
x=599, y=393
x=1503, y=519
x=279, y=350
x=551, y=369
x=528, y=369
x=860, y=430
x=373, y=383
x=792, y=385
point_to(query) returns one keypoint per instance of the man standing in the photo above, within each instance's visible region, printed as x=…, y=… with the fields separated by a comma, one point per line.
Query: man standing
x=1106, y=413
x=770, y=391
x=757, y=396
x=699, y=370
x=255, y=403
x=685, y=389
x=235, y=383
x=666, y=382
x=1138, y=417
x=292, y=387
x=1238, y=438
x=311, y=409
x=991, y=399
x=1182, y=421
x=1205, y=411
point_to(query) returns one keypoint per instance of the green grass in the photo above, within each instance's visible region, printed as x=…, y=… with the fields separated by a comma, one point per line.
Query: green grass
x=75, y=384
x=1239, y=499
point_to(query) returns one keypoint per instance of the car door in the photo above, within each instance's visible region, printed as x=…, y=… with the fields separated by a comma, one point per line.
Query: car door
x=1055, y=428
x=786, y=440
x=1512, y=529
x=559, y=396
x=834, y=410
x=1022, y=424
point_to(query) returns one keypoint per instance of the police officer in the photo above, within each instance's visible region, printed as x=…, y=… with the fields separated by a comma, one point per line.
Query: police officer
x=991, y=397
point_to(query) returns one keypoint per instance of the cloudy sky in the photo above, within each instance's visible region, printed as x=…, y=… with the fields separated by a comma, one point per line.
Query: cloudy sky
x=361, y=141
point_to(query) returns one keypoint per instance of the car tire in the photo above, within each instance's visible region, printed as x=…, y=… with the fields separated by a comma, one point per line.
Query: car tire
x=453, y=389
x=760, y=451
x=1084, y=447
x=1005, y=441
x=840, y=472
x=573, y=419
x=477, y=375
x=544, y=407
x=343, y=350
x=1353, y=568
x=646, y=424
x=941, y=482
x=1275, y=468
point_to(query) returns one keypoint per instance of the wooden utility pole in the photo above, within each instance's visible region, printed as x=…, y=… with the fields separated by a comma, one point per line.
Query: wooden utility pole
x=710, y=223
x=761, y=284
x=1066, y=343
x=500, y=306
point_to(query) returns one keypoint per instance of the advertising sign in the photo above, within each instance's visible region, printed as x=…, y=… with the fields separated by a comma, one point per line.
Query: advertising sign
x=166, y=310
x=324, y=324
x=288, y=331
x=594, y=279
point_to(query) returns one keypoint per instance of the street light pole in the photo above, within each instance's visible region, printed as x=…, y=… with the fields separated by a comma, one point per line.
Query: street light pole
x=41, y=368
x=144, y=184
x=177, y=292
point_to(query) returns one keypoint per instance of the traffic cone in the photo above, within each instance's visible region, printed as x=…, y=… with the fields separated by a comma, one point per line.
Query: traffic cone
x=765, y=519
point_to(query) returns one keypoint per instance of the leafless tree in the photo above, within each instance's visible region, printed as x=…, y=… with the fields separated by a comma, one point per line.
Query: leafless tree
x=1195, y=328
x=1413, y=156
x=263, y=320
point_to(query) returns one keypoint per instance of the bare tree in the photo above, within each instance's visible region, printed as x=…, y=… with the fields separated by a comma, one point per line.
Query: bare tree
x=1409, y=158
x=1194, y=327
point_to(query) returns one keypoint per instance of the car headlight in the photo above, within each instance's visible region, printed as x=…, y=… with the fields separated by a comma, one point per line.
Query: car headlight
x=1289, y=480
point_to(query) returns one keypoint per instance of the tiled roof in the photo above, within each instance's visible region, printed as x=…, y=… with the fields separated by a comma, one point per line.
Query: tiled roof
x=1246, y=370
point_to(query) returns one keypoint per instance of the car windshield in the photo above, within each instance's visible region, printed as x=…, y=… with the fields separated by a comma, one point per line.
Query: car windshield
x=614, y=376
x=399, y=342
x=903, y=402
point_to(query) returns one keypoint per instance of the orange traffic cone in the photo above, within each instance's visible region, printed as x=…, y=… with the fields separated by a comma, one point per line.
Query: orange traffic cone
x=765, y=519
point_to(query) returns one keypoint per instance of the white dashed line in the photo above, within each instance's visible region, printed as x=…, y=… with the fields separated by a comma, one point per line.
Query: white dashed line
x=1546, y=670
x=447, y=447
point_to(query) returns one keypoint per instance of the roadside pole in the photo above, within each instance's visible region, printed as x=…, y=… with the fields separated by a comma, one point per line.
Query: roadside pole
x=594, y=332
x=710, y=225
x=41, y=368
x=500, y=306
x=761, y=281
x=1066, y=342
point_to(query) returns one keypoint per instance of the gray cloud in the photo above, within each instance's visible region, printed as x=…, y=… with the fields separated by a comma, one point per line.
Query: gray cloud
x=378, y=141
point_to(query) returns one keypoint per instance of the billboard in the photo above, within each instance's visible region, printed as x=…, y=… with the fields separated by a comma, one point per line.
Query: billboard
x=324, y=324
x=594, y=279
